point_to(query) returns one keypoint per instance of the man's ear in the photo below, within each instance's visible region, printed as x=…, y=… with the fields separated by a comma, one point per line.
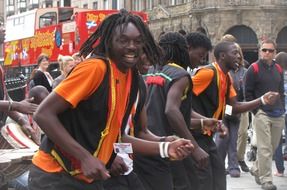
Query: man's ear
x=221, y=55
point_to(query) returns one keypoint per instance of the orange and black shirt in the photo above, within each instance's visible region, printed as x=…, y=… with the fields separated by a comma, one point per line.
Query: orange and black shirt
x=212, y=88
x=101, y=98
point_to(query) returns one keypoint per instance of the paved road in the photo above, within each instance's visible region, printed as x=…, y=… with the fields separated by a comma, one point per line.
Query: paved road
x=247, y=182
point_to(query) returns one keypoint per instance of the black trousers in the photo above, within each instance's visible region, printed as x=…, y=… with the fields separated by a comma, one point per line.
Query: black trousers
x=41, y=180
x=212, y=177
x=154, y=172
x=124, y=182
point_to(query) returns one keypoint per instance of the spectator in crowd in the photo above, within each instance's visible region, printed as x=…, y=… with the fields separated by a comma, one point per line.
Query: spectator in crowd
x=263, y=76
x=40, y=75
x=66, y=65
x=77, y=58
x=281, y=59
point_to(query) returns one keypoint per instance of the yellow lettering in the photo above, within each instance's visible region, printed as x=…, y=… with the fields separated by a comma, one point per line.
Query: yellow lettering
x=45, y=39
x=92, y=17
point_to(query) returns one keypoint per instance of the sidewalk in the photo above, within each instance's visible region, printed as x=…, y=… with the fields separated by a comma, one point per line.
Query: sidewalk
x=247, y=182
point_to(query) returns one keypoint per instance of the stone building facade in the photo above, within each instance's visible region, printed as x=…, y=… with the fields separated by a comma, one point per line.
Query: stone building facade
x=249, y=21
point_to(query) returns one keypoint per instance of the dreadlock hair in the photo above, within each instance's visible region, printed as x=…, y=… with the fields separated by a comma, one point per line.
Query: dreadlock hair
x=99, y=42
x=175, y=49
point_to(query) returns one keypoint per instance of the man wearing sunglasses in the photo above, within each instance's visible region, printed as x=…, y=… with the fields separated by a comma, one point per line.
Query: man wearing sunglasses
x=263, y=76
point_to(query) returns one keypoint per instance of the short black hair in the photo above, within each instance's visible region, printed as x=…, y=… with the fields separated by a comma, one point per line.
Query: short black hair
x=197, y=39
x=182, y=32
x=222, y=46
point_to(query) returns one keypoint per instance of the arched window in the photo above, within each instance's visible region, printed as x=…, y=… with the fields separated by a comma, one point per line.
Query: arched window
x=282, y=40
x=245, y=36
x=248, y=41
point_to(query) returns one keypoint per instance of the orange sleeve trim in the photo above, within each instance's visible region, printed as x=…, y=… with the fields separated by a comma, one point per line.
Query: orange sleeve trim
x=82, y=82
x=201, y=80
x=232, y=92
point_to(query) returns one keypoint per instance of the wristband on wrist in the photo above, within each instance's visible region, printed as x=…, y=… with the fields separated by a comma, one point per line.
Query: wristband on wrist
x=161, y=149
x=262, y=100
x=166, y=145
x=201, y=124
x=10, y=102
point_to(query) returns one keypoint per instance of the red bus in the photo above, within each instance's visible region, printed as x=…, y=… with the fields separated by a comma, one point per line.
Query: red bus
x=52, y=31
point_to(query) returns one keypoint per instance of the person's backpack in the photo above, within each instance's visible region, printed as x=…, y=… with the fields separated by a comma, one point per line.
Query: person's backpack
x=256, y=67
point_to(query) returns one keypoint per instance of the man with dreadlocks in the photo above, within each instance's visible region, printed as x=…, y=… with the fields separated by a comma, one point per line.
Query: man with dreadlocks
x=169, y=112
x=85, y=115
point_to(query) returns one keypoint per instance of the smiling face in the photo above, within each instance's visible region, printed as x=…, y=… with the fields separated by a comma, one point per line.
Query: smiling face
x=126, y=47
x=44, y=64
x=232, y=57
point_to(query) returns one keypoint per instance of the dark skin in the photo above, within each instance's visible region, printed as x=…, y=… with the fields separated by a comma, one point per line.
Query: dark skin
x=176, y=120
x=26, y=107
x=229, y=61
x=46, y=115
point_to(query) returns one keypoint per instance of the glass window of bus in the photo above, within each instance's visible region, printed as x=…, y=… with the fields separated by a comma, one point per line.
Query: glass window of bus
x=48, y=19
x=115, y=4
x=65, y=14
x=106, y=4
x=95, y=5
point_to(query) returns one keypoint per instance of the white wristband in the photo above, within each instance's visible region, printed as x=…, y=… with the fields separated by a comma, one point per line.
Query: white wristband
x=201, y=123
x=161, y=149
x=262, y=100
x=166, y=149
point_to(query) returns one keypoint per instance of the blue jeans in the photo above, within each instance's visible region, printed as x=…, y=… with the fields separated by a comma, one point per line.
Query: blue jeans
x=278, y=155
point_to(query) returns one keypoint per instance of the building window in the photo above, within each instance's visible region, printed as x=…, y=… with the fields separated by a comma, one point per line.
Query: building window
x=95, y=5
x=115, y=4
x=149, y=5
x=106, y=5
x=85, y=6
x=137, y=6
x=172, y=2
x=11, y=3
x=49, y=4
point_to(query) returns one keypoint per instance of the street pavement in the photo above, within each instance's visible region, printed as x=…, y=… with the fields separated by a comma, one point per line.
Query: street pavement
x=247, y=182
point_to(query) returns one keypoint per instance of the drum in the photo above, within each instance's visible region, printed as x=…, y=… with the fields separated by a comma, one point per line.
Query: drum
x=12, y=137
x=16, y=151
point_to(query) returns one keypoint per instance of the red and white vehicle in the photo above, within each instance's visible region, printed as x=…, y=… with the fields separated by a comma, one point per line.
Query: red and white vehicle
x=52, y=31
